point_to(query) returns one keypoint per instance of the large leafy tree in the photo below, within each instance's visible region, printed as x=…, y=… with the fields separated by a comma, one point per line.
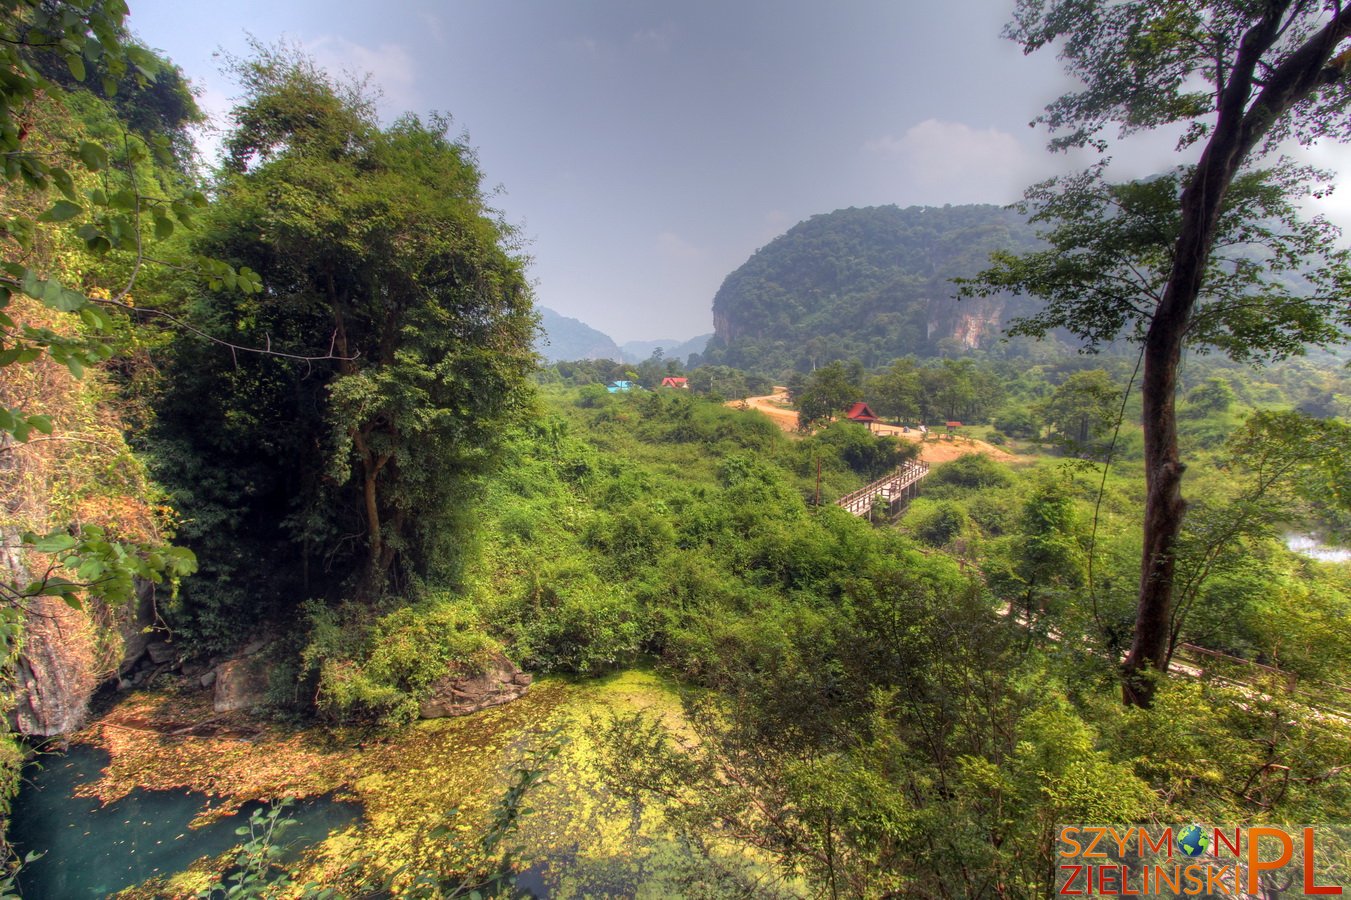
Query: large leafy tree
x=1238, y=77
x=376, y=244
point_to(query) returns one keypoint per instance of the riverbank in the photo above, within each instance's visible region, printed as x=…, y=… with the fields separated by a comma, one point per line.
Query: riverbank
x=441, y=773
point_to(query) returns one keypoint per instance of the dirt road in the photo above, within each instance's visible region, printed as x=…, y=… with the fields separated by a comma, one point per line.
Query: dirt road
x=933, y=451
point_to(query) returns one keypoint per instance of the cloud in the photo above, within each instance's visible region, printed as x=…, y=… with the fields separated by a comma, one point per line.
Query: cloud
x=673, y=247
x=390, y=67
x=951, y=162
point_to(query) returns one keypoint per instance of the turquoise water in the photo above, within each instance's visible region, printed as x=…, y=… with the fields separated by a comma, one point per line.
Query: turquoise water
x=93, y=850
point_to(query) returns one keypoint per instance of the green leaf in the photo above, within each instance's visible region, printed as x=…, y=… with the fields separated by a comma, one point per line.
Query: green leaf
x=75, y=63
x=41, y=423
x=67, y=300
x=164, y=226
x=124, y=199
x=64, y=183
x=61, y=211
x=56, y=542
x=32, y=285
x=93, y=155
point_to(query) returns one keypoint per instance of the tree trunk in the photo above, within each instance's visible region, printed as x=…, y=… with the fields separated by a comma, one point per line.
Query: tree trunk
x=1238, y=129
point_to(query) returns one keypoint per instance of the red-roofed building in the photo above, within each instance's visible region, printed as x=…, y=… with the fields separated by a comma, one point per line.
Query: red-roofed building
x=860, y=412
x=675, y=382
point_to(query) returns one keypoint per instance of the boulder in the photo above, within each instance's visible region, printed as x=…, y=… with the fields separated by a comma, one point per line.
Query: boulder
x=160, y=652
x=465, y=689
x=241, y=683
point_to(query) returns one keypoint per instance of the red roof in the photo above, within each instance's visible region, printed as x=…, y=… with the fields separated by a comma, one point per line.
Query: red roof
x=671, y=381
x=860, y=412
x=954, y=424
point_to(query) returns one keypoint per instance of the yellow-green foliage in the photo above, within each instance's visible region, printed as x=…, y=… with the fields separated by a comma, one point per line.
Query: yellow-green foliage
x=405, y=652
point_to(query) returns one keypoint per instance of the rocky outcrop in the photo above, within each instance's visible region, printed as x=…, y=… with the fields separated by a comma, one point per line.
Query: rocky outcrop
x=242, y=682
x=57, y=671
x=67, y=653
x=464, y=690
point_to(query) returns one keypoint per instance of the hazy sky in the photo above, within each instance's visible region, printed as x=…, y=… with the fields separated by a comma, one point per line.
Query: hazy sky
x=646, y=149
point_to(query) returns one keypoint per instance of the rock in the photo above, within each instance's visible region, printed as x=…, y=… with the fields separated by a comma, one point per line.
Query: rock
x=207, y=679
x=241, y=683
x=58, y=669
x=464, y=690
x=256, y=645
x=160, y=652
x=135, y=624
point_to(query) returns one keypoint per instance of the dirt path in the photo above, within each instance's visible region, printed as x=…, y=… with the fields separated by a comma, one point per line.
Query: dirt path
x=934, y=451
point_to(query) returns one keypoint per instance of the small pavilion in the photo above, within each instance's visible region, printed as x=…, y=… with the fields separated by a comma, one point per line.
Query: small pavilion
x=860, y=412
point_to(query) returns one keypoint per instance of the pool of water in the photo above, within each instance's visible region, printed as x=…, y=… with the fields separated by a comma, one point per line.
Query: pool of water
x=91, y=850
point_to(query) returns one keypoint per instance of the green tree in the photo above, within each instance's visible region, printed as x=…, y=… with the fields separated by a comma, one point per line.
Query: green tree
x=1082, y=411
x=895, y=394
x=829, y=391
x=1238, y=77
x=379, y=244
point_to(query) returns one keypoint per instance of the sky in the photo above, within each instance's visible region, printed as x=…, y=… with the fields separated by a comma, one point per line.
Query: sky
x=646, y=149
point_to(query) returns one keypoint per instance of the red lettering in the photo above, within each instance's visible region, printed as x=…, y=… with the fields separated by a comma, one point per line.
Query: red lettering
x=1065, y=891
x=1309, y=886
x=1218, y=839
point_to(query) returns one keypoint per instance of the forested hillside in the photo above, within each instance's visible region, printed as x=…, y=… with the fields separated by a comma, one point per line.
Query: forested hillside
x=871, y=284
x=294, y=518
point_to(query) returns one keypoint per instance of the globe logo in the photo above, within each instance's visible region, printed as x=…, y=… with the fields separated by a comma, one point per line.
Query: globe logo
x=1193, y=841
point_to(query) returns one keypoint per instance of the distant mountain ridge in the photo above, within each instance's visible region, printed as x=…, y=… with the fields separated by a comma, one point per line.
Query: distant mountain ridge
x=638, y=351
x=871, y=283
x=565, y=338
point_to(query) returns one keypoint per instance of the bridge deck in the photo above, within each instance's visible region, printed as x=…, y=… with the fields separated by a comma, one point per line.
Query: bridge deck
x=891, y=488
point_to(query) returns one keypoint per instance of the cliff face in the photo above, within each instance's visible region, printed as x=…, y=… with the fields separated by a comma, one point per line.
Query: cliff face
x=973, y=324
x=83, y=474
x=57, y=670
x=871, y=284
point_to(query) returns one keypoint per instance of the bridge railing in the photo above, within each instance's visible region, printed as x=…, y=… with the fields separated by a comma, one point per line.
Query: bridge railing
x=859, y=502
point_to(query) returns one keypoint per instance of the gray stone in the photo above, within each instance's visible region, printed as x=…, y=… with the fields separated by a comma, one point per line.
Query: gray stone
x=241, y=683
x=136, y=624
x=256, y=645
x=464, y=690
x=160, y=652
x=58, y=669
x=207, y=679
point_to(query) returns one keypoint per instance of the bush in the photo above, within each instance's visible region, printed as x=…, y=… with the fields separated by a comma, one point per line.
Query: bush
x=972, y=471
x=936, y=523
x=384, y=679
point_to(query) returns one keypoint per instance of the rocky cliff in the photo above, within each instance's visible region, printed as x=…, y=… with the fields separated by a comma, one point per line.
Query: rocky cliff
x=871, y=284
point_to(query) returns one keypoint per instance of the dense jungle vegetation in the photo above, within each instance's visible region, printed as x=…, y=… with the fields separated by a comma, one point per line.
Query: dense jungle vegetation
x=298, y=395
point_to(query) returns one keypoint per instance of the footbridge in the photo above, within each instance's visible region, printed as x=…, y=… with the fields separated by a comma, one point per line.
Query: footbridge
x=894, y=490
